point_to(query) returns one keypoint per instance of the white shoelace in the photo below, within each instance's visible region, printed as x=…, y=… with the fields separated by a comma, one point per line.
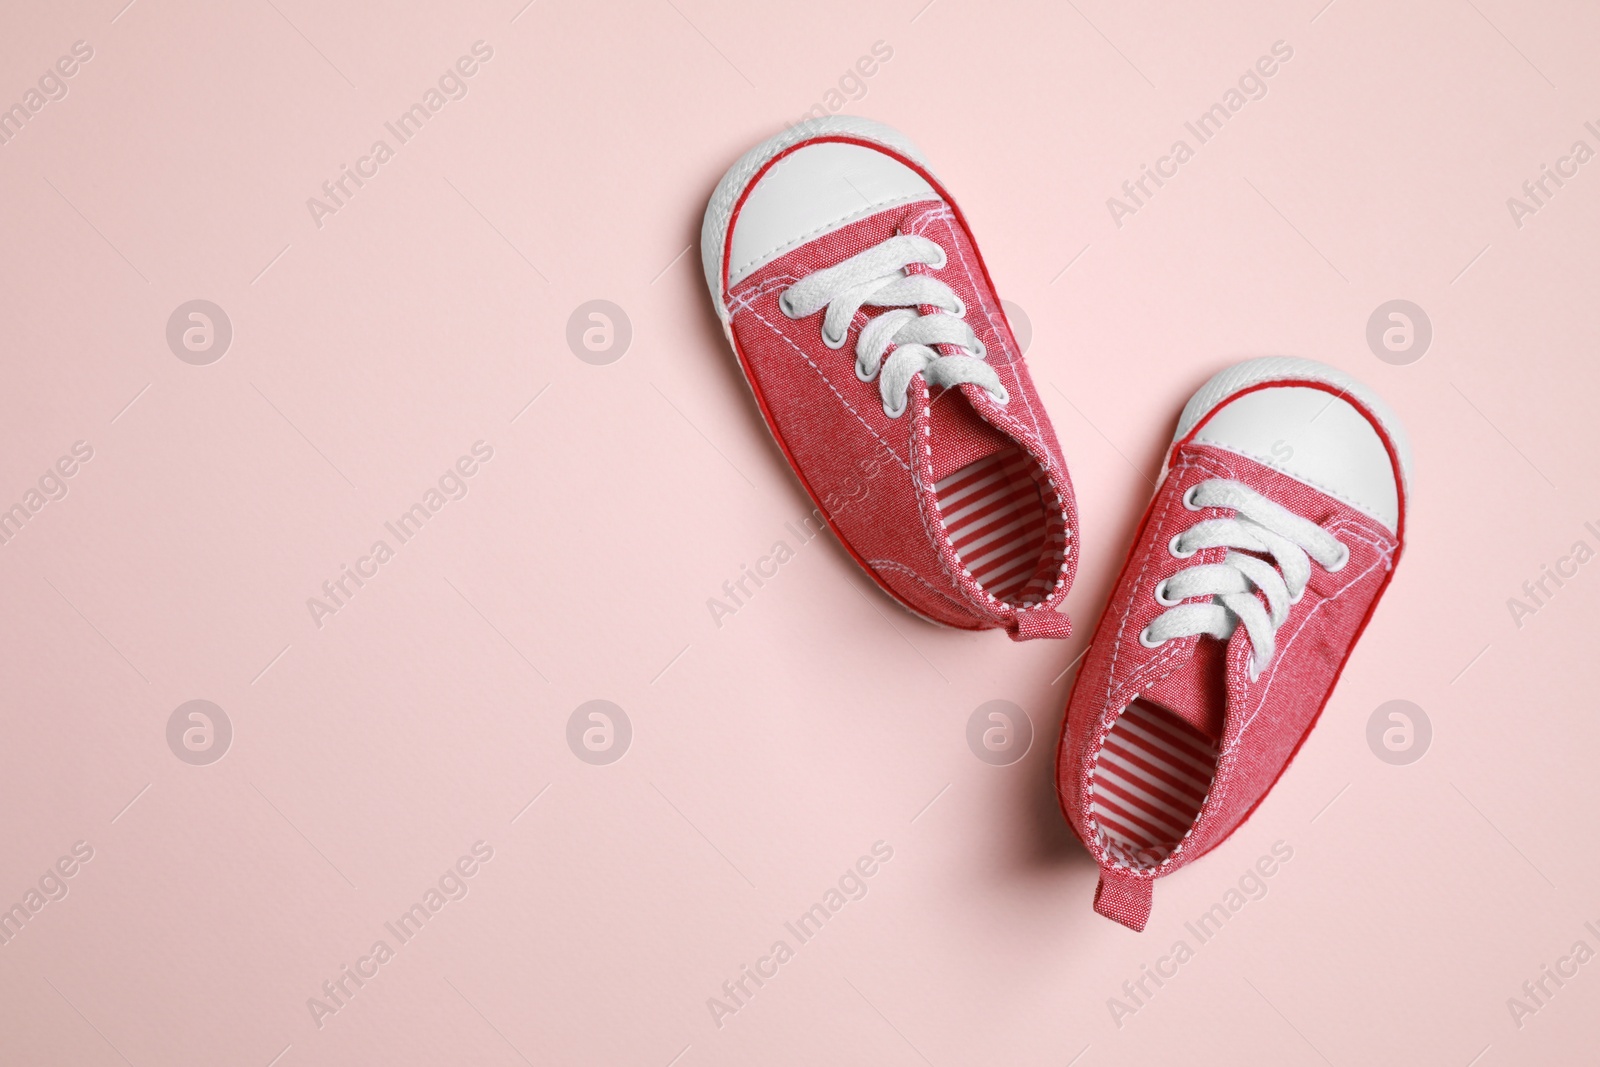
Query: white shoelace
x=878, y=277
x=1258, y=525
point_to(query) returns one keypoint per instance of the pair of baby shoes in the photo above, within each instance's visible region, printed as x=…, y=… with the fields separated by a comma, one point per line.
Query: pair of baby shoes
x=853, y=294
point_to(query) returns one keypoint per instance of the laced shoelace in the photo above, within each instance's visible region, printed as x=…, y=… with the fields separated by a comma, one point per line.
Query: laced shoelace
x=878, y=277
x=1257, y=525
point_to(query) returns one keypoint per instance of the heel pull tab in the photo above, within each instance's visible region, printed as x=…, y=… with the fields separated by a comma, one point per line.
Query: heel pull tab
x=1124, y=897
x=1039, y=622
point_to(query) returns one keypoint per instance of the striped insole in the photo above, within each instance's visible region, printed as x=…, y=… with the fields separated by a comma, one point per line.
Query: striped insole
x=1150, y=779
x=995, y=516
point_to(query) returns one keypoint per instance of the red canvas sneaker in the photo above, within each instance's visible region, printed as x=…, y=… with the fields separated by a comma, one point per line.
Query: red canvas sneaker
x=1274, y=532
x=853, y=294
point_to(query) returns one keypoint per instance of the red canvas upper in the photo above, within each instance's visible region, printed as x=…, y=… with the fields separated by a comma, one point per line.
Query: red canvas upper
x=1251, y=727
x=836, y=435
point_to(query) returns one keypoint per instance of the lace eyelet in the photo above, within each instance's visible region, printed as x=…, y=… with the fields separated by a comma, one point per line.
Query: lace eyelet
x=961, y=308
x=944, y=258
x=1161, y=595
x=830, y=342
x=1002, y=398
x=980, y=352
x=1254, y=670
x=784, y=306
x=1188, y=498
x=895, y=413
x=1343, y=559
x=1146, y=640
x=1172, y=547
x=862, y=375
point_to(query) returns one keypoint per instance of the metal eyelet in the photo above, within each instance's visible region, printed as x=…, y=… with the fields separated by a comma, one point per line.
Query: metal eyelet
x=980, y=352
x=961, y=308
x=784, y=306
x=944, y=258
x=1146, y=640
x=830, y=342
x=1343, y=559
x=862, y=375
x=1188, y=498
x=1172, y=547
x=1161, y=595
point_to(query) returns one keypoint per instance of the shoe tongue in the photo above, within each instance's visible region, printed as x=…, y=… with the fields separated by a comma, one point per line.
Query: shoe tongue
x=1197, y=692
x=959, y=434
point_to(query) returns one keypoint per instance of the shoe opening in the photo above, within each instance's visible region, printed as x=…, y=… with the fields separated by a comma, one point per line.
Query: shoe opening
x=1150, y=780
x=1004, y=521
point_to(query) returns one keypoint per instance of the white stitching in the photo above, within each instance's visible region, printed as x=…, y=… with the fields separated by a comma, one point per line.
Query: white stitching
x=1014, y=427
x=782, y=250
x=1221, y=781
x=1136, y=681
x=922, y=490
x=983, y=305
x=754, y=292
x=1385, y=555
x=823, y=374
x=988, y=607
x=896, y=565
x=1271, y=464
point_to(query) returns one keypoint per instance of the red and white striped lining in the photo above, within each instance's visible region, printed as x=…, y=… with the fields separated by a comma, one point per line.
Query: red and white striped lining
x=995, y=515
x=1150, y=779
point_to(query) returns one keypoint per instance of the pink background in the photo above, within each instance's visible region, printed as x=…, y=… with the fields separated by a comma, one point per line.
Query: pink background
x=767, y=754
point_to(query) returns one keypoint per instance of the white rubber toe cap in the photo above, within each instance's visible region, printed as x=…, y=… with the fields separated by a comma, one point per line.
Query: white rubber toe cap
x=811, y=190
x=1323, y=438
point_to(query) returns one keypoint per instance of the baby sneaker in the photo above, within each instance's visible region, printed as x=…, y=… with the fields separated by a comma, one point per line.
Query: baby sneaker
x=867, y=327
x=1274, y=532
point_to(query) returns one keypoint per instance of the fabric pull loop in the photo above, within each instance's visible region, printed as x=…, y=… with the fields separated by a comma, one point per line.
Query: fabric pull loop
x=1124, y=897
x=1037, y=623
